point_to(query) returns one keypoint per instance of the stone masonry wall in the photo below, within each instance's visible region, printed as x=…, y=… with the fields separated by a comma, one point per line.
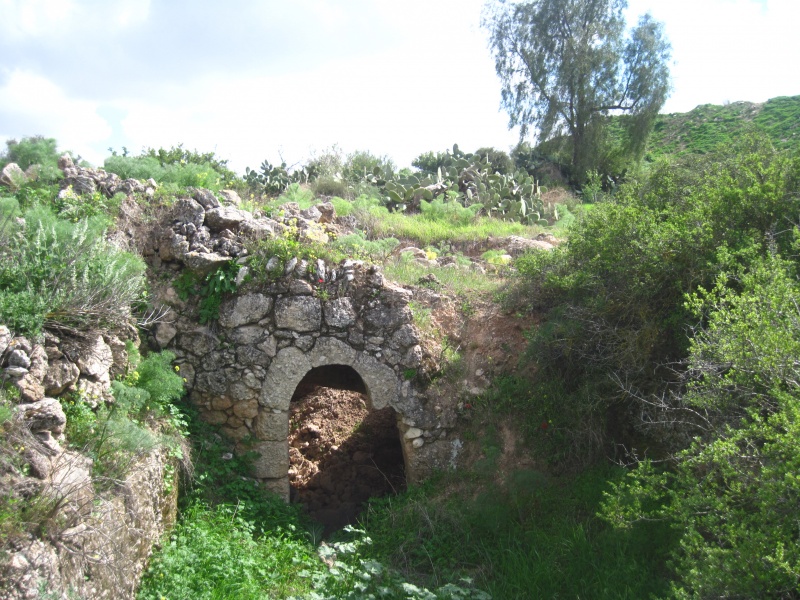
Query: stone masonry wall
x=243, y=370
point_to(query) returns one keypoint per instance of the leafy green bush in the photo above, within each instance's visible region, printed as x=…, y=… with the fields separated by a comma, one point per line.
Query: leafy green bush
x=176, y=166
x=329, y=186
x=214, y=553
x=211, y=289
x=115, y=436
x=58, y=274
x=614, y=293
x=358, y=246
x=36, y=150
x=360, y=164
x=733, y=490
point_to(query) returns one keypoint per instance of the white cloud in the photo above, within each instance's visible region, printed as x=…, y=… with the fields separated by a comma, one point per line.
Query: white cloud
x=32, y=105
x=34, y=18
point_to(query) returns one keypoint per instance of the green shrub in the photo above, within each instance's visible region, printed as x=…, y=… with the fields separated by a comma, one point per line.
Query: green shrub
x=614, y=293
x=54, y=273
x=172, y=167
x=361, y=164
x=117, y=435
x=341, y=206
x=214, y=554
x=731, y=492
x=30, y=151
x=329, y=186
x=357, y=246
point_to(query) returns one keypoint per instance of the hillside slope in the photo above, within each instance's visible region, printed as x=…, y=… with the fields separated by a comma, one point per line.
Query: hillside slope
x=702, y=129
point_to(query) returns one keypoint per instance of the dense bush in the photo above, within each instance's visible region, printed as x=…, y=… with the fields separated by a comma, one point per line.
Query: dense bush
x=175, y=166
x=30, y=151
x=614, y=293
x=675, y=302
x=55, y=273
x=733, y=491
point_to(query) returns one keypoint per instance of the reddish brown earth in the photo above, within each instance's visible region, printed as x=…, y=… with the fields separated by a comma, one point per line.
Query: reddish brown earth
x=341, y=454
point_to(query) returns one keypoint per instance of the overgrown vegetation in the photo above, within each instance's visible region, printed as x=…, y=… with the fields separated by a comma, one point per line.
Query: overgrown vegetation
x=174, y=167
x=63, y=275
x=670, y=319
x=666, y=338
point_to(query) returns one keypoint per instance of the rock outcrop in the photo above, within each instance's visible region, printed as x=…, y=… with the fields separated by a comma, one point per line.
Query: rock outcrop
x=91, y=545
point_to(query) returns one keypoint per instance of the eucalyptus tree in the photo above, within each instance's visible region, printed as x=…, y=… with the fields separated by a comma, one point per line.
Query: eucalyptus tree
x=566, y=65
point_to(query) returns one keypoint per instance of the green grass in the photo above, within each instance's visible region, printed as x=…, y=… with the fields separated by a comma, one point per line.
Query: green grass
x=704, y=128
x=456, y=281
x=534, y=536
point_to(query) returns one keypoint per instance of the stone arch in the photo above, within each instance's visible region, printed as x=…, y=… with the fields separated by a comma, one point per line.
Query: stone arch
x=290, y=365
x=286, y=371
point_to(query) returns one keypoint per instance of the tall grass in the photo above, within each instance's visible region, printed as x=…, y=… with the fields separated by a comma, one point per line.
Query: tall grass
x=533, y=536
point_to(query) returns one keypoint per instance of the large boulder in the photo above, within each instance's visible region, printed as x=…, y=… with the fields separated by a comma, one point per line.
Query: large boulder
x=12, y=176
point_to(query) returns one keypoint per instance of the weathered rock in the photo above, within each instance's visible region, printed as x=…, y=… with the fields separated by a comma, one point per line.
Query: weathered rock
x=61, y=374
x=230, y=197
x=412, y=433
x=12, y=176
x=248, y=335
x=15, y=371
x=5, y=339
x=327, y=212
x=311, y=214
x=273, y=460
x=95, y=358
x=215, y=417
x=222, y=403
x=298, y=287
x=65, y=162
x=246, y=409
x=199, y=341
x=30, y=389
x=44, y=415
x=299, y=313
x=405, y=336
x=248, y=356
x=382, y=317
x=203, y=263
x=18, y=358
x=38, y=366
x=517, y=245
x=271, y=425
x=225, y=217
x=339, y=313
x=205, y=198
x=258, y=228
x=186, y=210
x=245, y=310
x=165, y=333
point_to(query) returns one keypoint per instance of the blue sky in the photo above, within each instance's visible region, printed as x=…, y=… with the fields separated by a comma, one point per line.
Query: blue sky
x=265, y=79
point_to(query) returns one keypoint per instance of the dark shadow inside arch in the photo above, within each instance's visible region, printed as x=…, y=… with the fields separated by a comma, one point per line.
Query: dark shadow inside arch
x=341, y=452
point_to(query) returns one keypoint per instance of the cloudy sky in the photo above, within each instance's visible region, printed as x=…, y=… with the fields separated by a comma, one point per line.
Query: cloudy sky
x=271, y=79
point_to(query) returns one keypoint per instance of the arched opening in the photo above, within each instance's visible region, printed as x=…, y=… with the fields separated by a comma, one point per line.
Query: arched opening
x=341, y=452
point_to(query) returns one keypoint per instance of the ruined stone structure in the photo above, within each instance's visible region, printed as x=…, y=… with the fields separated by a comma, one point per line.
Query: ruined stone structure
x=318, y=321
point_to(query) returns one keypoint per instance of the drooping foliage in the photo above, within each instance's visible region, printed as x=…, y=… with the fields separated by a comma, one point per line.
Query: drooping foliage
x=565, y=65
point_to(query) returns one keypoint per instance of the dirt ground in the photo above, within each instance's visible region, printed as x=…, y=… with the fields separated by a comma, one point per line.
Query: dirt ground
x=341, y=454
